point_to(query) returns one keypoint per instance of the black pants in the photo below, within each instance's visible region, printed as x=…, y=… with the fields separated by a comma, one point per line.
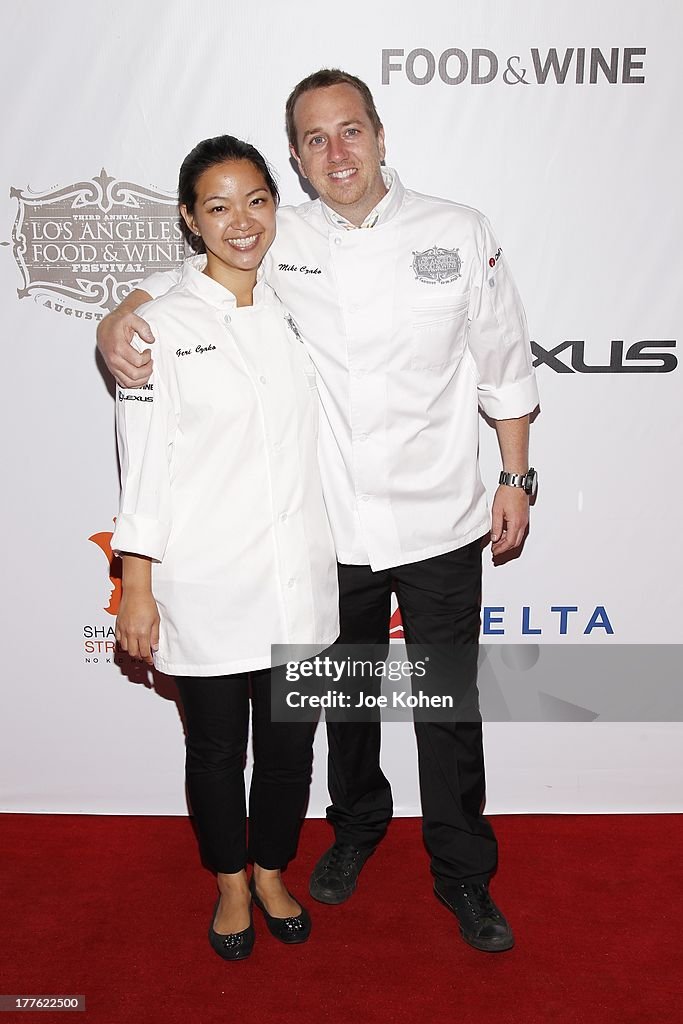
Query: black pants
x=217, y=720
x=440, y=600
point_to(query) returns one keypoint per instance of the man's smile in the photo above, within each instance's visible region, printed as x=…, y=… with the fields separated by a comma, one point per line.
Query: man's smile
x=342, y=175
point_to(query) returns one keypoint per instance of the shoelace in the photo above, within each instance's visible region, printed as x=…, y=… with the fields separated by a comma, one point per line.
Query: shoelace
x=341, y=858
x=479, y=899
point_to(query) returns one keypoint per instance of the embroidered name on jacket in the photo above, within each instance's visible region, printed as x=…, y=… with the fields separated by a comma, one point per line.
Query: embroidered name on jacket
x=437, y=266
x=302, y=269
x=200, y=349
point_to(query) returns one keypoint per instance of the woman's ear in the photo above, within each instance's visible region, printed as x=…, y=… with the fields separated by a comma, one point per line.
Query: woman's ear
x=189, y=220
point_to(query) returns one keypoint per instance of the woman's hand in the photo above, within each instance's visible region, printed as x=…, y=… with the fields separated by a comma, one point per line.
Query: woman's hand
x=137, y=624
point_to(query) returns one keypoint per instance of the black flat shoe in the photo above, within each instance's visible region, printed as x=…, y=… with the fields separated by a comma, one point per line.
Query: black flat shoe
x=482, y=925
x=290, y=930
x=234, y=945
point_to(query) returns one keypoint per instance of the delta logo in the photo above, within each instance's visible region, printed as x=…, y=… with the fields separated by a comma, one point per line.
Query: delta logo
x=552, y=622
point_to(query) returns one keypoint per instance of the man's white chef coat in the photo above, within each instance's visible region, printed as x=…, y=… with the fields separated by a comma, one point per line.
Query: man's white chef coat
x=220, y=481
x=411, y=324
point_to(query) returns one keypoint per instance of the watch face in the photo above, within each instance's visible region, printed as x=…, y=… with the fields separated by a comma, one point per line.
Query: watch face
x=531, y=483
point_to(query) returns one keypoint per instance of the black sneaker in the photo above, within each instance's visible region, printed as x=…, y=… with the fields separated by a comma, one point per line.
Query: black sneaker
x=481, y=923
x=335, y=875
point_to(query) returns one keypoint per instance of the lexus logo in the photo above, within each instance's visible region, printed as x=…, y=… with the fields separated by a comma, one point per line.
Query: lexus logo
x=640, y=357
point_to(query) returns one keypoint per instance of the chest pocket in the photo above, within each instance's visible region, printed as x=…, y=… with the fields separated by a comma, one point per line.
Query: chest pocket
x=439, y=331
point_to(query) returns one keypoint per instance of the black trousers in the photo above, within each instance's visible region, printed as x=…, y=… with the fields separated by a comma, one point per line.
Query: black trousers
x=440, y=602
x=217, y=720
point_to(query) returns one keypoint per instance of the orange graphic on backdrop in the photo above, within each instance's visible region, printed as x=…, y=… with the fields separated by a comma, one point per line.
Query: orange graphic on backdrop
x=103, y=541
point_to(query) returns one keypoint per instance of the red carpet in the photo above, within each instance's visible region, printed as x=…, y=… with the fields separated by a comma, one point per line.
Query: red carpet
x=117, y=909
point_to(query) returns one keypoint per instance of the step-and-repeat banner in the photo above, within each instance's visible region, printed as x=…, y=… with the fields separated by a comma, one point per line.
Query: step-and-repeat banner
x=562, y=123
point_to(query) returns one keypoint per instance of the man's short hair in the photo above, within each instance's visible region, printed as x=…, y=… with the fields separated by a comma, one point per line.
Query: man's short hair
x=322, y=80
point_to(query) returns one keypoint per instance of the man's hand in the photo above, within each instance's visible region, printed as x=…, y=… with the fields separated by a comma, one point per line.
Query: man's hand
x=114, y=335
x=510, y=512
x=509, y=519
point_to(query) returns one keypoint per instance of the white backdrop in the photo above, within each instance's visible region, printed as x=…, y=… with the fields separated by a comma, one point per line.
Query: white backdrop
x=581, y=180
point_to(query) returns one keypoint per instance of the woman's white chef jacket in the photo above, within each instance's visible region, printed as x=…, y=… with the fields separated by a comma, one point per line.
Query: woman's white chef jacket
x=413, y=324
x=220, y=481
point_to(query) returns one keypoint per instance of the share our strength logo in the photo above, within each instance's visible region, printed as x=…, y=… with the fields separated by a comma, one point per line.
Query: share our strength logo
x=99, y=641
x=99, y=636
x=81, y=248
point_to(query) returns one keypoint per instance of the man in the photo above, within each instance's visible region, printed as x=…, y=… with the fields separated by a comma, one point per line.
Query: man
x=412, y=320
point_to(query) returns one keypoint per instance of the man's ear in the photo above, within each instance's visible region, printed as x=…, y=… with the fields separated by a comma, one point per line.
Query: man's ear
x=380, y=142
x=189, y=219
x=295, y=156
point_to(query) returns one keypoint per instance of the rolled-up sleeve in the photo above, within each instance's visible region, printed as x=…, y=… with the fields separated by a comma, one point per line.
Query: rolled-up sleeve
x=146, y=424
x=498, y=337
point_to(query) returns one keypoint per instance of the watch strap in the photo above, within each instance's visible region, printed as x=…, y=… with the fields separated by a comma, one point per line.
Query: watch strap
x=512, y=479
x=527, y=481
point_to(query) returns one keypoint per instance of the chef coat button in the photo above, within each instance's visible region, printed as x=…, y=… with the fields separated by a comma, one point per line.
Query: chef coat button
x=362, y=437
x=290, y=583
x=262, y=379
x=365, y=497
x=227, y=319
x=283, y=517
x=337, y=240
x=277, y=447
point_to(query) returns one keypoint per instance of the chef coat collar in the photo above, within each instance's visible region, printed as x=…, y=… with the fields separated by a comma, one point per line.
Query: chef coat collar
x=211, y=291
x=386, y=208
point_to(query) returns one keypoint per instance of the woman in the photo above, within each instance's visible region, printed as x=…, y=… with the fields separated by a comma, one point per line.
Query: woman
x=222, y=529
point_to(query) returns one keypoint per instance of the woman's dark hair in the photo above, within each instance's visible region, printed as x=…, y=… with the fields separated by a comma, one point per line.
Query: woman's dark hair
x=207, y=154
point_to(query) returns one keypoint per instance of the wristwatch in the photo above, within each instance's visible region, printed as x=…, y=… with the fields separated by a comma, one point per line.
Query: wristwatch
x=528, y=481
